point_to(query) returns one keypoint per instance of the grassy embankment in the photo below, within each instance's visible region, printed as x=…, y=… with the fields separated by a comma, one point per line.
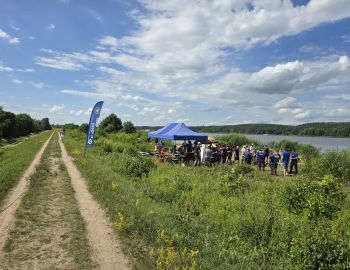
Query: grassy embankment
x=226, y=217
x=49, y=232
x=14, y=160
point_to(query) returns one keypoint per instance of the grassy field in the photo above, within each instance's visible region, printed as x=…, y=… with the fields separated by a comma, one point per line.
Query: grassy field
x=49, y=231
x=14, y=160
x=226, y=217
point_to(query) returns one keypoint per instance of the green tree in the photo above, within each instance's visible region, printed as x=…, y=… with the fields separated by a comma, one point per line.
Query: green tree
x=84, y=127
x=24, y=124
x=111, y=124
x=129, y=127
x=45, y=124
x=7, y=124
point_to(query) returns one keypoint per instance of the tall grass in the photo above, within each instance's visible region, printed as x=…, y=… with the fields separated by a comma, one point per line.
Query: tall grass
x=222, y=218
x=14, y=160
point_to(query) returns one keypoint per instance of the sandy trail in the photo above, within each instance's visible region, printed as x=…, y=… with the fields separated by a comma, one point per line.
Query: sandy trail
x=13, y=199
x=106, y=250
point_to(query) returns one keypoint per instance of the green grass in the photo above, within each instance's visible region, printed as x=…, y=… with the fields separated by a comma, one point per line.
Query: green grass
x=233, y=221
x=49, y=227
x=14, y=160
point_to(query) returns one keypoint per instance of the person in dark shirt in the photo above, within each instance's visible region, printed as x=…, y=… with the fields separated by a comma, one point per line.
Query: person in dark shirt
x=285, y=161
x=229, y=154
x=223, y=154
x=247, y=157
x=237, y=154
x=189, y=147
x=294, y=162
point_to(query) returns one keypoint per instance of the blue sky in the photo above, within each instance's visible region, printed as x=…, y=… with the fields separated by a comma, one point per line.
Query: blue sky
x=201, y=62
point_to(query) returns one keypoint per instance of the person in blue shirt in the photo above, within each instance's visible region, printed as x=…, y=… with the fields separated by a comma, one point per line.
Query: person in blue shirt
x=285, y=161
x=294, y=162
x=261, y=159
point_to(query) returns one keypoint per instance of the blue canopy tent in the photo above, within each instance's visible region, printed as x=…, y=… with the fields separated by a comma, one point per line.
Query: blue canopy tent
x=179, y=131
x=165, y=129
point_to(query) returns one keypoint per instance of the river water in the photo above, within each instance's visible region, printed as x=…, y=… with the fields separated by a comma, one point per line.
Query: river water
x=324, y=143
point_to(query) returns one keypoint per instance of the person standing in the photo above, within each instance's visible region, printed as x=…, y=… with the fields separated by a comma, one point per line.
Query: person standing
x=261, y=159
x=247, y=157
x=285, y=161
x=236, y=154
x=244, y=149
x=294, y=162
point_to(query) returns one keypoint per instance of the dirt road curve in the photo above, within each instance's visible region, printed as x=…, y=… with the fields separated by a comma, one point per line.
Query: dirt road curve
x=14, y=198
x=106, y=250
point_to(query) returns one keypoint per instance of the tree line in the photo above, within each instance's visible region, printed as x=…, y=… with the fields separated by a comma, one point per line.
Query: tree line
x=110, y=124
x=16, y=125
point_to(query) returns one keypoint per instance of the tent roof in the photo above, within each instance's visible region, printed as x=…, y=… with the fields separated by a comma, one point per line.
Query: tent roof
x=179, y=131
x=166, y=128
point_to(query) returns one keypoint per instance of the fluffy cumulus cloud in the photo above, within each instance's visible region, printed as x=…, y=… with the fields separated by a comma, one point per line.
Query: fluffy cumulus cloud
x=56, y=109
x=8, y=37
x=178, y=52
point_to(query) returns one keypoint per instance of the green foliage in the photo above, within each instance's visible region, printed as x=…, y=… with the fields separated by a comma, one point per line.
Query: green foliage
x=244, y=226
x=236, y=139
x=84, y=127
x=111, y=124
x=128, y=127
x=233, y=183
x=14, y=160
x=134, y=166
x=336, y=163
x=24, y=124
x=12, y=126
x=317, y=198
x=7, y=124
x=320, y=247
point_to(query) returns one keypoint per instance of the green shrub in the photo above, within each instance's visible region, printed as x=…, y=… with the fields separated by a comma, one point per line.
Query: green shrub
x=134, y=166
x=236, y=139
x=320, y=247
x=317, y=198
x=233, y=183
x=336, y=163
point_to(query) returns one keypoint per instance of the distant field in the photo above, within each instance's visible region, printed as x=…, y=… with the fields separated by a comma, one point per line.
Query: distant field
x=225, y=217
x=14, y=160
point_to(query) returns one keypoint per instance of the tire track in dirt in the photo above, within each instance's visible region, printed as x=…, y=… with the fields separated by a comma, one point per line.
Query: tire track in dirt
x=13, y=199
x=106, y=250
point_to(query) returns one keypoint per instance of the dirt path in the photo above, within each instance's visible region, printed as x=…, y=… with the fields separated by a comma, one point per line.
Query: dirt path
x=106, y=250
x=14, y=198
x=49, y=232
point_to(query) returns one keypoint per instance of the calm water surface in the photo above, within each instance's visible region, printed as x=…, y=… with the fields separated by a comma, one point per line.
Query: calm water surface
x=324, y=143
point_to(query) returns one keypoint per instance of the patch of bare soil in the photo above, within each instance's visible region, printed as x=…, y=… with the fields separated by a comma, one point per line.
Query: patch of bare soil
x=13, y=199
x=49, y=231
x=106, y=250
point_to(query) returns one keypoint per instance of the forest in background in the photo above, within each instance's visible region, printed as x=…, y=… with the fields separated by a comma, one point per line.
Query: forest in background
x=332, y=129
x=17, y=125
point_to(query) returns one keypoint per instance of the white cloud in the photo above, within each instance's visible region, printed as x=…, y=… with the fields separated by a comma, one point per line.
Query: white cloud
x=57, y=109
x=288, y=102
x=10, y=69
x=76, y=113
x=15, y=81
x=4, y=68
x=8, y=37
x=38, y=85
x=51, y=27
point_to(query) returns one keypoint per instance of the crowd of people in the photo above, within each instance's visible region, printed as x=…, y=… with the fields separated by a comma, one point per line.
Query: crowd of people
x=210, y=154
